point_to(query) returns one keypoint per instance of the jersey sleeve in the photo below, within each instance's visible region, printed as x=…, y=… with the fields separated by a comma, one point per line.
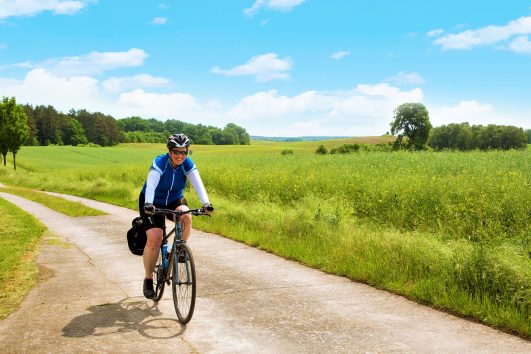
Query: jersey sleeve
x=188, y=166
x=158, y=164
x=151, y=183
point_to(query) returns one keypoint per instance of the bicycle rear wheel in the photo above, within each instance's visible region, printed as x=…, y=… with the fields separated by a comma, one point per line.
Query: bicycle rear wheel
x=158, y=279
x=183, y=283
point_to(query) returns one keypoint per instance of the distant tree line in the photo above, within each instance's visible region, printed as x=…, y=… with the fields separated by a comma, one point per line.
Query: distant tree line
x=412, y=126
x=138, y=130
x=465, y=137
x=48, y=126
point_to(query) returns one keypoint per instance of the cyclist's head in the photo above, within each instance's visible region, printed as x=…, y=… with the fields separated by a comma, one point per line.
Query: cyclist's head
x=178, y=141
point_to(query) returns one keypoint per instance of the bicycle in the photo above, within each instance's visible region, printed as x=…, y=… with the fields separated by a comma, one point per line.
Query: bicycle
x=176, y=265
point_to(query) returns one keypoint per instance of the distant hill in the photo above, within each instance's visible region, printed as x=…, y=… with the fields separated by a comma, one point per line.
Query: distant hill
x=299, y=138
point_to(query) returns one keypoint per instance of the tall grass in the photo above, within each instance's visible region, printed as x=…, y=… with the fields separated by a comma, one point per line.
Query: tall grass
x=448, y=229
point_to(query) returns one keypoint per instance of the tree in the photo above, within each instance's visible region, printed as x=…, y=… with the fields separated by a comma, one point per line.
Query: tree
x=501, y=137
x=4, y=145
x=465, y=137
x=411, y=121
x=14, y=128
x=452, y=136
x=74, y=133
x=241, y=134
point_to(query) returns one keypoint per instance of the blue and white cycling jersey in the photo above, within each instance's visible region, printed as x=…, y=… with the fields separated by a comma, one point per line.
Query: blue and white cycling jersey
x=170, y=186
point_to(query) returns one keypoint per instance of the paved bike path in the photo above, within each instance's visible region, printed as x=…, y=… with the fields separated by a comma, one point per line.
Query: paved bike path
x=89, y=300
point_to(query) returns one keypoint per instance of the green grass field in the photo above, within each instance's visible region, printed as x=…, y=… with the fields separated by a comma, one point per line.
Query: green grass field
x=448, y=229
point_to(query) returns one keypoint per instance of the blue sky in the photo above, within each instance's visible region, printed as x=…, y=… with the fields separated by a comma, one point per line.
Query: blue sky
x=275, y=67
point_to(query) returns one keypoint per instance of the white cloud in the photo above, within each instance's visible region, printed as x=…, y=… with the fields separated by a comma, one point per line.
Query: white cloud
x=121, y=84
x=264, y=67
x=435, y=33
x=366, y=110
x=520, y=45
x=42, y=87
x=486, y=35
x=478, y=113
x=469, y=111
x=10, y=8
x=94, y=62
x=23, y=65
x=279, y=5
x=404, y=78
x=339, y=55
x=156, y=105
x=159, y=20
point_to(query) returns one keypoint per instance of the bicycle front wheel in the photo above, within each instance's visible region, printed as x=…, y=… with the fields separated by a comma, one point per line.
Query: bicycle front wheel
x=183, y=283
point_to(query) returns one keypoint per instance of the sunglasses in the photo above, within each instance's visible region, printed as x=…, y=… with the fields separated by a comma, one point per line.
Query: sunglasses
x=178, y=152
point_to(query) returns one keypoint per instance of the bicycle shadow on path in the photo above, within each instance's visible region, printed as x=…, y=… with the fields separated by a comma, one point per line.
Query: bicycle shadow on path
x=128, y=315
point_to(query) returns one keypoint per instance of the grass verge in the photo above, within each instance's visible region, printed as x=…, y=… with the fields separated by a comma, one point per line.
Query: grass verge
x=488, y=283
x=58, y=204
x=19, y=238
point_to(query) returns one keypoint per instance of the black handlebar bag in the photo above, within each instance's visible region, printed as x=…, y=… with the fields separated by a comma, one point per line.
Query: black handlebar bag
x=136, y=237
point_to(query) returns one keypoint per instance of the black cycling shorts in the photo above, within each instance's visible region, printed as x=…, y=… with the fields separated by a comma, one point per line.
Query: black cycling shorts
x=152, y=221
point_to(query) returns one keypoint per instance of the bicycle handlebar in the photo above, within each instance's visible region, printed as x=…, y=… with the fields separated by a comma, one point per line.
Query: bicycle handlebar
x=178, y=213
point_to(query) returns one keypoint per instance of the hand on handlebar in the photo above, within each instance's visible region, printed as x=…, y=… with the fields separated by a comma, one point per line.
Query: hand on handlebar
x=149, y=208
x=208, y=208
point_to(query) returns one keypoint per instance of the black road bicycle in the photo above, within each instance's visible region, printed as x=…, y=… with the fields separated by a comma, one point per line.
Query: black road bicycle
x=176, y=265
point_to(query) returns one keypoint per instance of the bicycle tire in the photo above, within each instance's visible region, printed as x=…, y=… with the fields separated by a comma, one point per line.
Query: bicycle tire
x=158, y=279
x=184, y=284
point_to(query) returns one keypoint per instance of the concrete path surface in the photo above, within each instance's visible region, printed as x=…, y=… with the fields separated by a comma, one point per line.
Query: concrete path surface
x=90, y=299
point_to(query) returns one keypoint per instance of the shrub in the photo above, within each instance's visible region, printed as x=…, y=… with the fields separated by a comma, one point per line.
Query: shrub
x=345, y=149
x=321, y=150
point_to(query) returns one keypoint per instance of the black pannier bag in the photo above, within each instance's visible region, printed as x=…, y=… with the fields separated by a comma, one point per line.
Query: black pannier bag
x=136, y=237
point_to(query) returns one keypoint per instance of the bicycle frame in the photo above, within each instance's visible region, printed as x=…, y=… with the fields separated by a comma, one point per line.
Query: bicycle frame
x=176, y=240
x=177, y=230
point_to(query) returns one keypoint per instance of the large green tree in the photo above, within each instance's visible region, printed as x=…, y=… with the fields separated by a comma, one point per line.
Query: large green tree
x=411, y=121
x=241, y=134
x=14, y=128
x=4, y=145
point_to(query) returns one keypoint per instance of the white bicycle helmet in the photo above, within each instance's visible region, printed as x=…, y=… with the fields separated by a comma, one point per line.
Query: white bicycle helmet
x=178, y=140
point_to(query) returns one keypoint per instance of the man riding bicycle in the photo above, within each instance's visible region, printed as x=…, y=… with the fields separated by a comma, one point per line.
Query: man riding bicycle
x=164, y=188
